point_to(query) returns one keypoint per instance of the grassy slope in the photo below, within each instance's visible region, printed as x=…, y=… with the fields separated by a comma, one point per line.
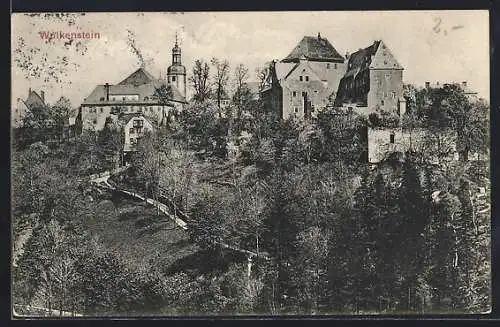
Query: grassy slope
x=131, y=229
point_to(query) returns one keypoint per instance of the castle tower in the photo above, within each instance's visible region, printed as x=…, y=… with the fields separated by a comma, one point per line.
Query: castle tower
x=176, y=73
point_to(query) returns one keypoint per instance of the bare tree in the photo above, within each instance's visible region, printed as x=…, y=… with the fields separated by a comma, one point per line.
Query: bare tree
x=262, y=74
x=221, y=78
x=200, y=80
x=240, y=79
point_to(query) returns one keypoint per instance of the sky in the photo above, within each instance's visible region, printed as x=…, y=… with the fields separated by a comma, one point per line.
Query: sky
x=444, y=46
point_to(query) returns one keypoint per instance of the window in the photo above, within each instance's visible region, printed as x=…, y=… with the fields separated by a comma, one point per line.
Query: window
x=101, y=99
x=392, y=138
x=296, y=109
x=294, y=93
x=393, y=95
x=131, y=130
x=300, y=78
x=138, y=123
x=133, y=141
x=335, y=66
x=101, y=110
x=94, y=121
x=312, y=108
x=146, y=98
x=382, y=102
x=304, y=94
x=307, y=78
x=327, y=66
x=173, y=78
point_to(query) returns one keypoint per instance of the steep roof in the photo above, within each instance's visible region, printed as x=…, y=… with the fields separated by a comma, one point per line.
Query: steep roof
x=376, y=56
x=314, y=48
x=34, y=100
x=361, y=59
x=139, y=77
x=146, y=93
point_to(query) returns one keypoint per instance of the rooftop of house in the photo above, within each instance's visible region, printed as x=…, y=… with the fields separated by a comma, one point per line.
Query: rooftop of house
x=361, y=59
x=124, y=118
x=139, y=83
x=364, y=59
x=34, y=100
x=314, y=48
x=139, y=77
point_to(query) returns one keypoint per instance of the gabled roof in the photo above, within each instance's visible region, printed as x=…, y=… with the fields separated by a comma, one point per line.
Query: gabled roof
x=139, y=77
x=123, y=118
x=361, y=59
x=34, y=100
x=376, y=56
x=146, y=93
x=314, y=48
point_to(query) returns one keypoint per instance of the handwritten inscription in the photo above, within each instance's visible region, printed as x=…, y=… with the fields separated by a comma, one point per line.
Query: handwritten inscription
x=438, y=27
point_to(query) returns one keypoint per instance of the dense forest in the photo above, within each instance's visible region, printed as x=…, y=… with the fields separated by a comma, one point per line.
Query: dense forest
x=338, y=235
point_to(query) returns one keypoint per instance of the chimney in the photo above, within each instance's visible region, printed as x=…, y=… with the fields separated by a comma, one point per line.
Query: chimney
x=106, y=86
x=347, y=55
x=42, y=95
x=464, y=84
x=319, y=36
x=427, y=85
x=29, y=91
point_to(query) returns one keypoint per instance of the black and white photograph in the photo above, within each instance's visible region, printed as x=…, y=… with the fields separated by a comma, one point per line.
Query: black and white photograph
x=258, y=163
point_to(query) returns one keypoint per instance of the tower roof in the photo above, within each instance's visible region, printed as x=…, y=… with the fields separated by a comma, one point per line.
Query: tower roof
x=314, y=48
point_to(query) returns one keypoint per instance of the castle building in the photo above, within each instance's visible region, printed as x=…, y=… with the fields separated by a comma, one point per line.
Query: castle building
x=373, y=81
x=306, y=80
x=140, y=92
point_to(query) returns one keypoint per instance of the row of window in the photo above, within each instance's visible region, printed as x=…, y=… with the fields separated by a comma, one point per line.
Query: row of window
x=304, y=93
x=135, y=98
x=301, y=78
x=128, y=109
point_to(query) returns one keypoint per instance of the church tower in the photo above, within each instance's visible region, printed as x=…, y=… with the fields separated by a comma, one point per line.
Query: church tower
x=176, y=73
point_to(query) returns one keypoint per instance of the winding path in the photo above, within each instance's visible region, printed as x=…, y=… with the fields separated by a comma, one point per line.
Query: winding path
x=101, y=181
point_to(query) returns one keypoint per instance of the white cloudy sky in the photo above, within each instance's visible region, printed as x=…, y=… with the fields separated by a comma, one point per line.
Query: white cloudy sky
x=254, y=38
